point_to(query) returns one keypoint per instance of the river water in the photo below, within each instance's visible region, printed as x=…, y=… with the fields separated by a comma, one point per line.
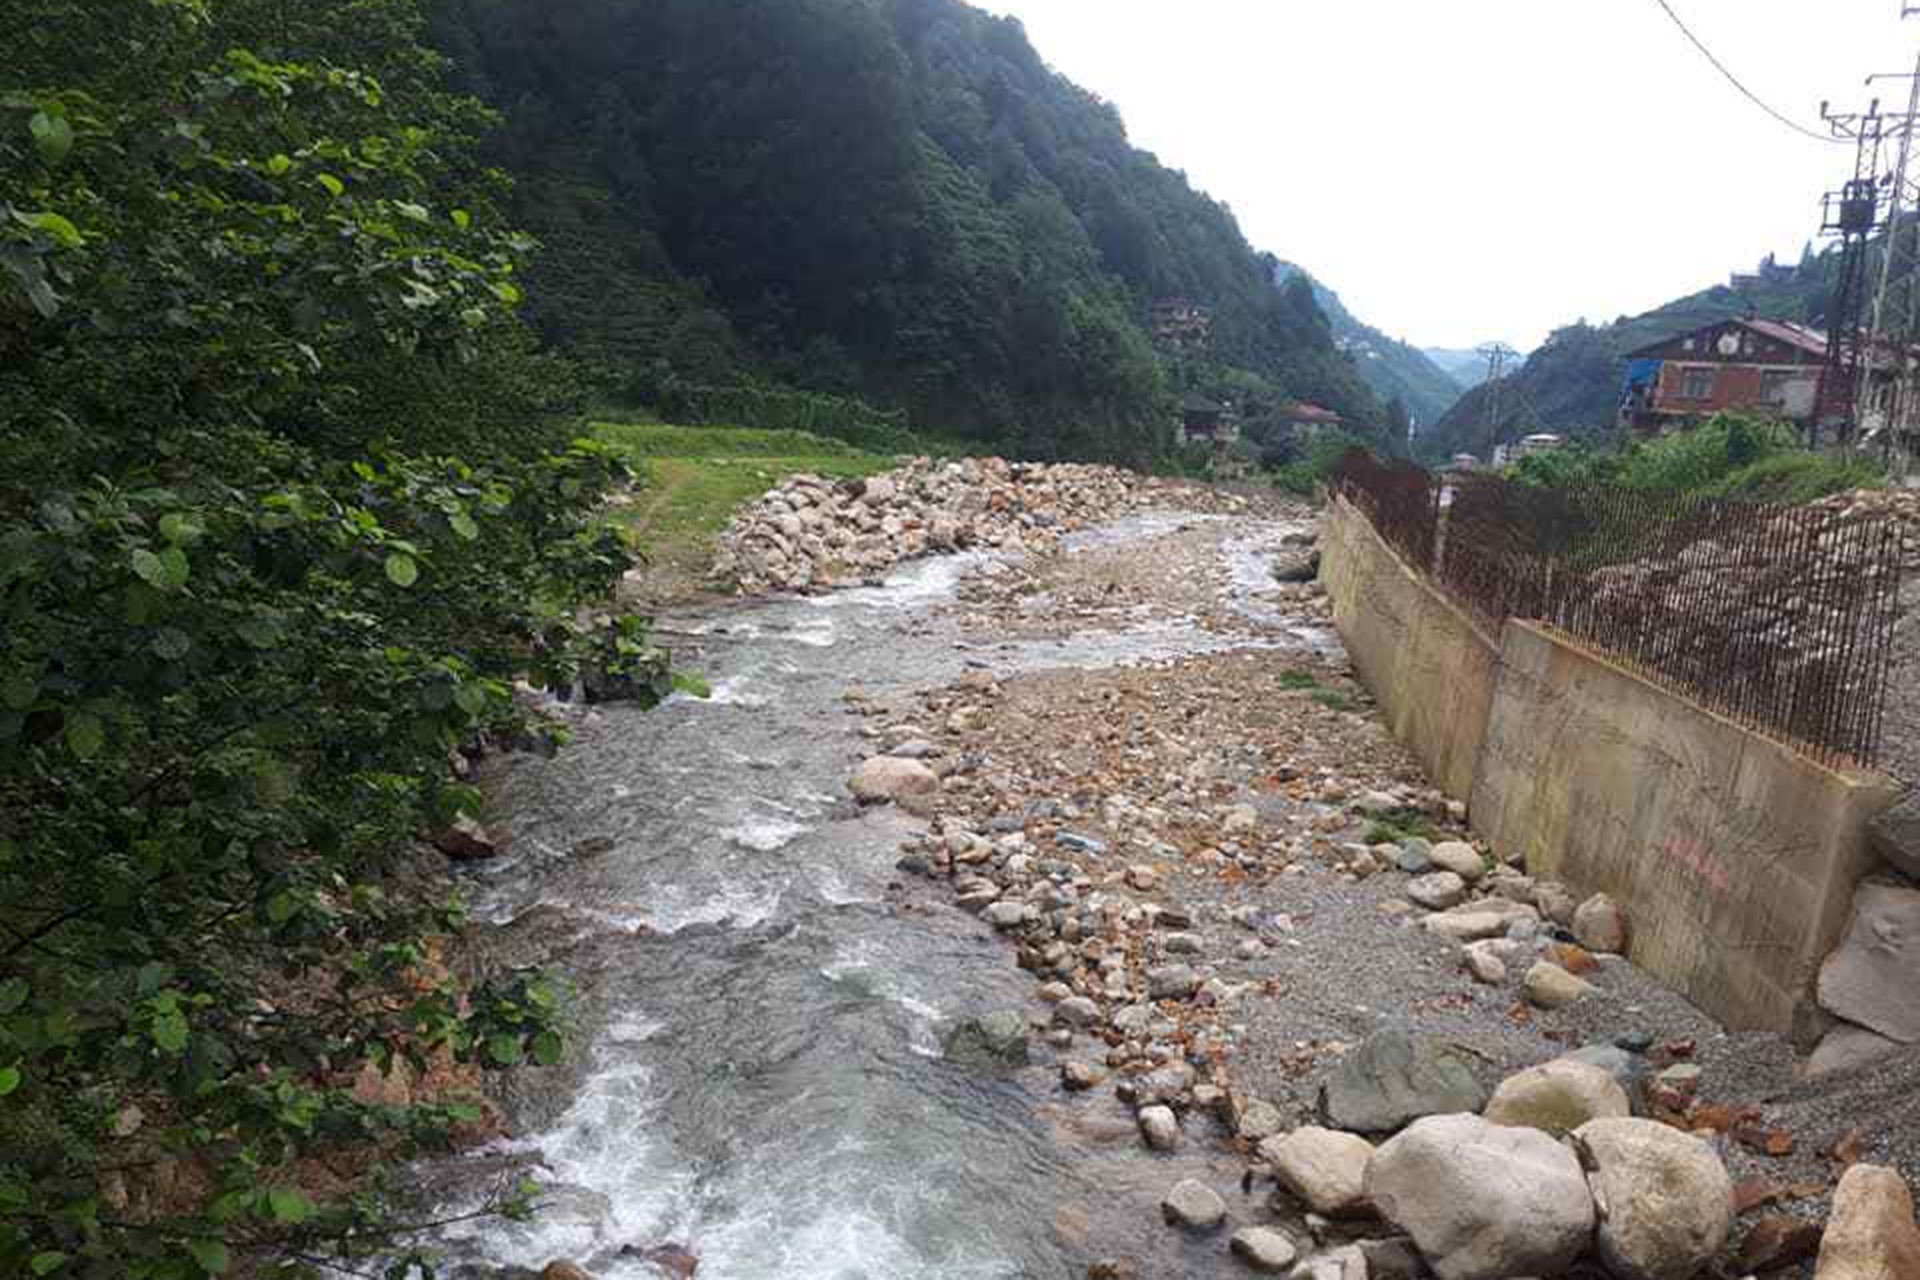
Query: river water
x=759, y=1078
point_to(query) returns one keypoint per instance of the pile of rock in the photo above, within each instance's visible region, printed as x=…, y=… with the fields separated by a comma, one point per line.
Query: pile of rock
x=812, y=533
x=1901, y=505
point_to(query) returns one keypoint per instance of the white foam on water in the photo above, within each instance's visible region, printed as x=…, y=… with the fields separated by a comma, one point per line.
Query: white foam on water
x=811, y=1221
x=613, y=1179
x=918, y=583
x=816, y=632
x=764, y=835
x=733, y=691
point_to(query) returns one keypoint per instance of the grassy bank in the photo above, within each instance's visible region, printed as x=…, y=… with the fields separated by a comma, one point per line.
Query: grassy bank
x=697, y=477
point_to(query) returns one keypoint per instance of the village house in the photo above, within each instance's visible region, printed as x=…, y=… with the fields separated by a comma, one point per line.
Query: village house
x=1307, y=421
x=1181, y=325
x=1759, y=366
x=1207, y=421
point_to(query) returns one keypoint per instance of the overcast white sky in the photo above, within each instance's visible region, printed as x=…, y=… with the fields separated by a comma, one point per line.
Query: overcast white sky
x=1464, y=170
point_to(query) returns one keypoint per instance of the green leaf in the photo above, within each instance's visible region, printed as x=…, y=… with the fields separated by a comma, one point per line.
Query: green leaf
x=85, y=734
x=9, y=1080
x=471, y=698
x=279, y=164
x=180, y=529
x=170, y=1029
x=505, y=1049
x=210, y=1254
x=408, y=209
x=52, y=136
x=334, y=186
x=177, y=567
x=546, y=1048
x=147, y=567
x=46, y=1263
x=507, y=293
x=63, y=231
x=462, y=219
x=289, y=1205
x=463, y=524
x=688, y=683
x=402, y=570
x=19, y=690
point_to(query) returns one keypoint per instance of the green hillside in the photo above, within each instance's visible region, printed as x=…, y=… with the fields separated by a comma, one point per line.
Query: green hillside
x=896, y=199
x=1395, y=370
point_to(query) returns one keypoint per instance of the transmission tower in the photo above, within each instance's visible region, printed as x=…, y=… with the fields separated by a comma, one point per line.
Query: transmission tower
x=1853, y=214
x=1497, y=355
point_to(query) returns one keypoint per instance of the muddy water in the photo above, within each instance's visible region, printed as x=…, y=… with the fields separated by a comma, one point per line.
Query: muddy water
x=759, y=1078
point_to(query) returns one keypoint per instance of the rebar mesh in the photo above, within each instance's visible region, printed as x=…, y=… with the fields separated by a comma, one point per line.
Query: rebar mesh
x=1401, y=499
x=1780, y=617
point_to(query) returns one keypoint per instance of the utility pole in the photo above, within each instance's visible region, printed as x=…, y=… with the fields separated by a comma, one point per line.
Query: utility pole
x=1497, y=355
x=1852, y=213
x=1893, y=410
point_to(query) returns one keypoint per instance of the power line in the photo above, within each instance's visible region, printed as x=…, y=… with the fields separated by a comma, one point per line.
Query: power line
x=1734, y=80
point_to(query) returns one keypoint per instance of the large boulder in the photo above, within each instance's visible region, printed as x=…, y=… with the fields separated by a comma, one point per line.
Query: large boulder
x=1599, y=924
x=1551, y=987
x=885, y=778
x=1194, y=1205
x=1869, y=979
x=1264, y=1249
x=1437, y=890
x=1870, y=1232
x=1324, y=1169
x=1393, y=1078
x=1460, y=858
x=1557, y=1097
x=1846, y=1047
x=1482, y=1201
x=1665, y=1200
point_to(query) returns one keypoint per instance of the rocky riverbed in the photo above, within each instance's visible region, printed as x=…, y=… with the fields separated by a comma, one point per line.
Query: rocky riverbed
x=1131, y=945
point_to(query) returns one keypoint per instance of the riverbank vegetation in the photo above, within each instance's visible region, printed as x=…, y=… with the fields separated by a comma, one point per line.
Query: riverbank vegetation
x=1731, y=455
x=697, y=477
x=288, y=501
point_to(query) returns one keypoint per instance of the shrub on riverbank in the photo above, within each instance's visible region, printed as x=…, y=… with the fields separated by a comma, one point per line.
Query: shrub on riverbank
x=1731, y=455
x=287, y=502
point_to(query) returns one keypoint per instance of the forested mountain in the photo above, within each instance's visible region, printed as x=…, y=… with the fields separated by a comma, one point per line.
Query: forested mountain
x=894, y=198
x=1572, y=384
x=1394, y=369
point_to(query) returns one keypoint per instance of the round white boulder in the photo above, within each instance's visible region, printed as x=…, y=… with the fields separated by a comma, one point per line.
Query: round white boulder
x=1666, y=1202
x=1482, y=1201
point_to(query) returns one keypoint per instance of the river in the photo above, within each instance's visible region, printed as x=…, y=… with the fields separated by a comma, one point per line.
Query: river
x=759, y=1075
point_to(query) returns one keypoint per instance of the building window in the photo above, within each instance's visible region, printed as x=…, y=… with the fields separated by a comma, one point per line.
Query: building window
x=1773, y=386
x=1697, y=384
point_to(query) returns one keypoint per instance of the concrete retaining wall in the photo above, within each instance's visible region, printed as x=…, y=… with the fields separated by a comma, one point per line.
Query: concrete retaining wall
x=1735, y=856
x=1429, y=666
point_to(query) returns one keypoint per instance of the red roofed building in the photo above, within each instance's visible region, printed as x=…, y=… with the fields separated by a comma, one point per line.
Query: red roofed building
x=1306, y=421
x=1759, y=366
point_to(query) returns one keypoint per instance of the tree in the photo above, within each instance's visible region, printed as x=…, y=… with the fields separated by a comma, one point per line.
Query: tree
x=287, y=503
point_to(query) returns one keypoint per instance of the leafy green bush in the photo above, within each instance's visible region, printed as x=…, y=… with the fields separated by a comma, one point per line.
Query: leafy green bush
x=1798, y=477
x=1731, y=455
x=287, y=504
x=1309, y=476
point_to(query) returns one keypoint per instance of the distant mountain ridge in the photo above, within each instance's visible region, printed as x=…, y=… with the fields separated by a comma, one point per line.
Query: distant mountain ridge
x=1395, y=370
x=1465, y=365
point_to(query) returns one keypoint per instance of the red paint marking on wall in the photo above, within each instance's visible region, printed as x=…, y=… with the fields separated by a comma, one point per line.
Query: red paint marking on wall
x=1697, y=859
